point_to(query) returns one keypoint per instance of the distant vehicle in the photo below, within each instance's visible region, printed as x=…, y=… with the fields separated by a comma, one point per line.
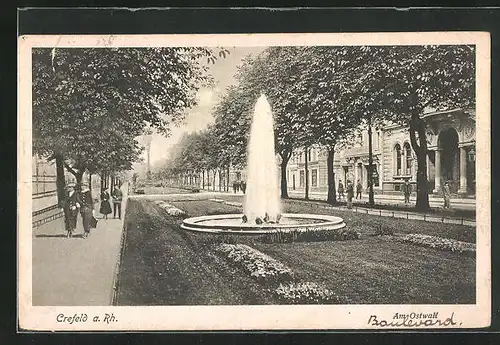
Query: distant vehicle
x=140, y=191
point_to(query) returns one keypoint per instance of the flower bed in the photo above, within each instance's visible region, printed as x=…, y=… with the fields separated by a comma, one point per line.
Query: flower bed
x=260, y=266
x=310, y=235
x=217, y=200
x=305, y=293
x=233, y=203
x=439, y=243
x=171, y=209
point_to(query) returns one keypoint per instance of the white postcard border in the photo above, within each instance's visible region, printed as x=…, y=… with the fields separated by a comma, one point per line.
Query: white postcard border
x=251, y=317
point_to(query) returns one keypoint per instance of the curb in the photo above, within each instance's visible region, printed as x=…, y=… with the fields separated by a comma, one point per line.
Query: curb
x=116, y=274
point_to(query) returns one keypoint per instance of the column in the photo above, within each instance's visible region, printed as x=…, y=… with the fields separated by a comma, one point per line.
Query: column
x=356, y=168
x=463, y=171
x=428, y=165
x=437, y=178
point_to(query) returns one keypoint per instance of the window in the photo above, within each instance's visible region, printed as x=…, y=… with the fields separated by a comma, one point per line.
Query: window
x=408, y=159
x=314, y=177
x=309, y=155
x=397, y=158
x=301, y=178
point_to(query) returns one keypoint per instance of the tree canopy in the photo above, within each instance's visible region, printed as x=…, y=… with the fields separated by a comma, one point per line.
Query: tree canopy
x=90, y=104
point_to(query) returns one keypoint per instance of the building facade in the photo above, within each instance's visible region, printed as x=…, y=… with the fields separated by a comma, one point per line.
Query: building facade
x=451, y=157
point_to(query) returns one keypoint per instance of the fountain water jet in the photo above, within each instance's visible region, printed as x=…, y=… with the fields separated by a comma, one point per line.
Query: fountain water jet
x=262, y=204
x=262, y=195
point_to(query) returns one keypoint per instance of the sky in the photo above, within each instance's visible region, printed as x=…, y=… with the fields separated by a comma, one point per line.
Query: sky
x=200, y=116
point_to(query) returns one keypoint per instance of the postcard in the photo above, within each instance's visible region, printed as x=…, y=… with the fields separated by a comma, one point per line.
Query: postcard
x=254, y=181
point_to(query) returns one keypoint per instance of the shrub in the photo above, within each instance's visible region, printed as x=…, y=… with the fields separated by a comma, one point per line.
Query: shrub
x=305, y=293
x=172, y=210
x=440, y=243
x=310, y=235
x=260, y=266
x=383, y=230
x=215, y=239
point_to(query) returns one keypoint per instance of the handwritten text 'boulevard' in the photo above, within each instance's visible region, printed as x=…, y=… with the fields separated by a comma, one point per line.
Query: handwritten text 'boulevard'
x=413, y=320
x=82, y=318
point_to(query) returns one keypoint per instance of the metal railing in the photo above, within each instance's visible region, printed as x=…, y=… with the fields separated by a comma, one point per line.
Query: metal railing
x=47, y=219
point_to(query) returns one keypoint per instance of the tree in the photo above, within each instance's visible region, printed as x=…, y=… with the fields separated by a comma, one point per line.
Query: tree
x=231, y=128
x=401, y=82
x=276, y=73
x=323, y=92
x=85, y=98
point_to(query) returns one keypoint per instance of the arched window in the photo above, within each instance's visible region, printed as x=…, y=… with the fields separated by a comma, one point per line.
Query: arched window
x=408, y=158
x=397, y=158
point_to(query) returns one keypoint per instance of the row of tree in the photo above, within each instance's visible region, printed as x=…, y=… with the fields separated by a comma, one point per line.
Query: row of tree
x=322, y=95
x=90, y=105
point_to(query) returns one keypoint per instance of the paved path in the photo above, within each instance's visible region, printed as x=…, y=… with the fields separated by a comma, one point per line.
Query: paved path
x=76, y=271
x=402, y=213
x=385, y=199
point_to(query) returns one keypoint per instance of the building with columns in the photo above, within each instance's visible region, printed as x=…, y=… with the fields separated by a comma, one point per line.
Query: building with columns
x=451, y=157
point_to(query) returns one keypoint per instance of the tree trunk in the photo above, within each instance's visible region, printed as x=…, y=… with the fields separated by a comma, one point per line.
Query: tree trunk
x=227, y=180
x=103, y=180
x=213, y=185
x=306, y=175
x=203, y=179
x=285, y=157
x=332, y=193
x=60, y=180
x=371, y=200
x=79, y=177
x=61, y=186
x=220, y=181
x=417, y=126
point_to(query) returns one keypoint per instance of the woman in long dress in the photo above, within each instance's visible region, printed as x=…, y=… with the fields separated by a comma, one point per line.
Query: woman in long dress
x=105, y=208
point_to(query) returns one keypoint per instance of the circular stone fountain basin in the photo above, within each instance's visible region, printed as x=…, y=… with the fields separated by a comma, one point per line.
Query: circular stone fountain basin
x=233, y=224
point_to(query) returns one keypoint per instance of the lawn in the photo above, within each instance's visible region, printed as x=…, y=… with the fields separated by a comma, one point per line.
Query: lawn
x=163, y=265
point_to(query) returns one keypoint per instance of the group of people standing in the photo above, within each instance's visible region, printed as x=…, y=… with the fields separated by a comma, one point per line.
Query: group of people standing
x=78, y=199
x=239, y=185
x=406, y=188
x=349, y=190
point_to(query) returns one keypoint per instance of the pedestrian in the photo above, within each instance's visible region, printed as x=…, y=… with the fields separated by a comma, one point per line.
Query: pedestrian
x=446, y=195
x=86, y=209
x=407, y=191
x=341, y=190
x=243, y=185
x=350, y=194
x=235, y=186
x=70, y=207
x=117, y=202
x=359, y=188
x=105, y=208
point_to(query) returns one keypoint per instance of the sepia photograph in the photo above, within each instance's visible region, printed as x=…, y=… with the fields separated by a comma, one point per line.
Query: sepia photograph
x=264, y=181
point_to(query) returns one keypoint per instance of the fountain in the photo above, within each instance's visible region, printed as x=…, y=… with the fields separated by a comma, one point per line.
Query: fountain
x=262, y=205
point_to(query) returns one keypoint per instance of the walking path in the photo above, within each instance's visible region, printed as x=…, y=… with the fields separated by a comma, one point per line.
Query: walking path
x=407, y=214
x=76, y=271
x=386, y=199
